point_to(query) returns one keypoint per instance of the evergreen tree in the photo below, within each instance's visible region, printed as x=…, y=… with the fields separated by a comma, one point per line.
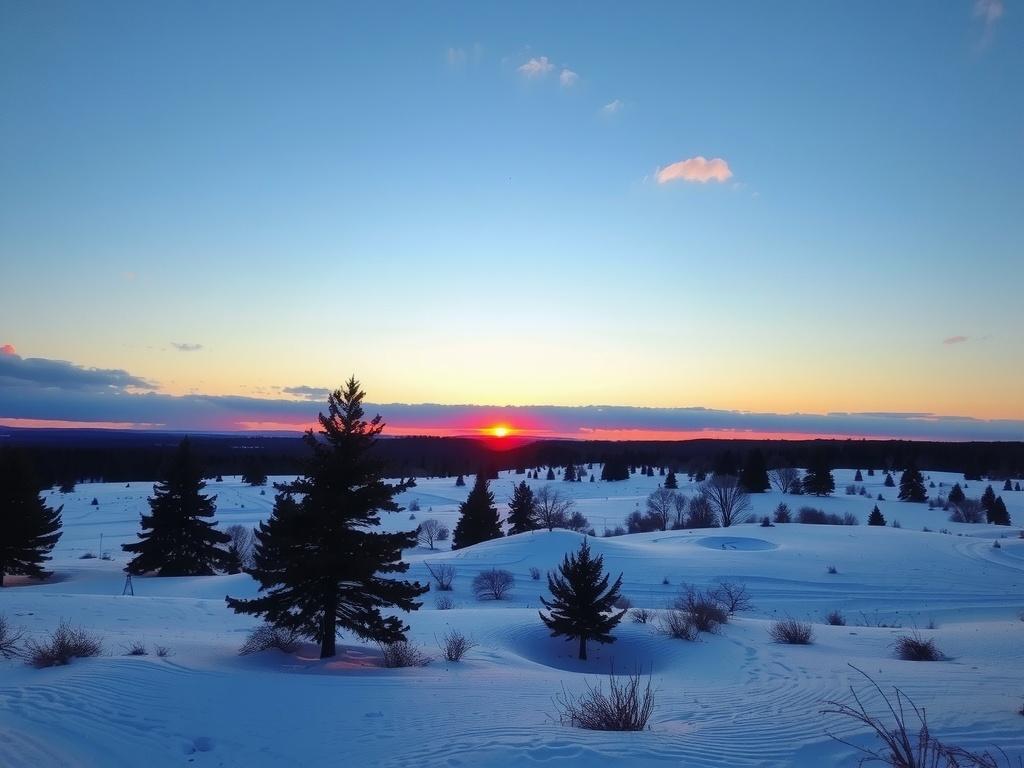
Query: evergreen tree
x=614, y=470
x=876, y=517
x=956, y=495
x=479, y=519
x=460, y=481
x=661, y=471
x=889, y=482
x=871, y=473
x=754, y=477
x=28, y=528
x=1016, y=486
x=912, y=486
x=570, y=473
x=726, y=464
x=551, y=473
x=178, y=538
x=818, y=480
x=583, y=604
x=988, y=502
x=1007, y=486
x=998, y=515
x=253, y=474
x=858, y=478
x=670, y=480
x=521, y=510
x=320, y=561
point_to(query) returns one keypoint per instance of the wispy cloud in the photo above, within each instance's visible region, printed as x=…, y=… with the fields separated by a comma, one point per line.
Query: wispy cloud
x=185, y=346
x=307, y=393
x=456, y=57
x=989, y=11
x=956, y=340
x=567, y=78
x=695, y=169
x=538, y=66
x=612, y=107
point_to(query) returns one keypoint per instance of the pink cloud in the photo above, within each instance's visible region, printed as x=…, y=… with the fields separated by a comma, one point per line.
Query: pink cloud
x=8, y=349
x=955, y=340
x=695, y=169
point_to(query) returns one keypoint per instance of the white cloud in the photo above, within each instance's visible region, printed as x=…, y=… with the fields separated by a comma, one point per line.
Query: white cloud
x=989, y=10
x=538, y=66
x=695, y=169
x=612, y=107
x=456, y=57
x=568, y=78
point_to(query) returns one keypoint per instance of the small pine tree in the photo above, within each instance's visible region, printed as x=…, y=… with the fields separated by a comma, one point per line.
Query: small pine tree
x=871, y=473
x=754, y=477
x=28, y=528
x=818, y=480
x=1016, y=486
x=320, y=559
x=521, y=510
x=583, y=604
x=1007, y=486
x=889, y=482
x=570, y=473
x=177, y=537
x=479, y=519
x=671, y=482
x=661, y=471
x=988, y=501
x=460, y=481
x=912, y=486
x=876, y=517
x=551, y=473
x=858, y=478
x=956, y=494
x=999, y=515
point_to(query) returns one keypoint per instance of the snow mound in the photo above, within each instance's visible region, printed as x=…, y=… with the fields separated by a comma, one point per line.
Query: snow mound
x=739, y=543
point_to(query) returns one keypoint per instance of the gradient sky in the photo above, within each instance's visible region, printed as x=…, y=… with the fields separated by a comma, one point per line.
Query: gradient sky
x=756, y=207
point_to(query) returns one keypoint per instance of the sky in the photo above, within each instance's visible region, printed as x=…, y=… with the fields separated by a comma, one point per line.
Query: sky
x=718, y=218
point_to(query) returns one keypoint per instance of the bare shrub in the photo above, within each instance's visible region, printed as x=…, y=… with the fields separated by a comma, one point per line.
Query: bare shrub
x=784, y=478
x=266, y=637
x=641, y=615
x=791, y=632
x=966, y=511
x=913, y=647
x=731, y=596
x=443, y=576
x=701, y=514
x=429, y=531
x=242, y=543
x=136, y=648
x=728, y=499
x=163, y=651
x=64, y=644
x=836, y=619
x=402, y=654
x=832, y=570
x=493, y=584
x=904, y=744
x=535, y=573
x=444, y=603
x=626, y=707
x=454, y=645
x=552, y=509
x=678, y=624
x=9, y=639
x=706, y=613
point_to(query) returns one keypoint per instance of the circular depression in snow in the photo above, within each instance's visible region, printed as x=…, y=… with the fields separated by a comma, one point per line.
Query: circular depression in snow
x=739, y=543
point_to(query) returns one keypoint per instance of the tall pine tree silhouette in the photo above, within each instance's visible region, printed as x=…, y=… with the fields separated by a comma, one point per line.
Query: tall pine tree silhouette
x=177, y=537
x=818, y=480
x=28, y=528
x=583, y=604
x=479, y=517
x=319, y=559
x=521, y=510
x=912, y=486
x=754, y=477
x=670, y=480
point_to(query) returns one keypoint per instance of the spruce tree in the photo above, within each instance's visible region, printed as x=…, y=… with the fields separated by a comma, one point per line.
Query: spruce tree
x=551, y=473
x=460, y=481
x=956, y=495
x=670, y=480
x=889, y=482
x=320, y=559
x=988, y=502
x=521, y=510
x=876, y=517
x=998, y=515
x=912, y=486
x=28, y=528
x=253, y=474
x=818, y=480
x=177, y=537
x=1007, y=486
x=754, y=477
x=614, y=470
x=583, y=604
x=858, y=478
x=479, y=519
x=570, y=473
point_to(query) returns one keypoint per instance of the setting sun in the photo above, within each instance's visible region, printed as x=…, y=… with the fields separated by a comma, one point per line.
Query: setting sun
x=500, y=431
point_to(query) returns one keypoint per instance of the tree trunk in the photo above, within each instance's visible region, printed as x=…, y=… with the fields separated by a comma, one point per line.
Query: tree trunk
x=327, y=643
x=583, y=648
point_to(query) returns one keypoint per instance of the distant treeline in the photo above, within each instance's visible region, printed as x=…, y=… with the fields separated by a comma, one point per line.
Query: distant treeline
x=112, y=456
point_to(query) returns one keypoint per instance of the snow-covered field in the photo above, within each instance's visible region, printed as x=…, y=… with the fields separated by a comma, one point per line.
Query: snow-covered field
x=732, y=699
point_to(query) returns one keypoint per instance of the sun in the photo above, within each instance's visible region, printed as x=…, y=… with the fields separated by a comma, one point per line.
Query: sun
x=500, y=431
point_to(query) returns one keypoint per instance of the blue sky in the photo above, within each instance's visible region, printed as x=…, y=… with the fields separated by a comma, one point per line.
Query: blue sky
x=461, y=203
